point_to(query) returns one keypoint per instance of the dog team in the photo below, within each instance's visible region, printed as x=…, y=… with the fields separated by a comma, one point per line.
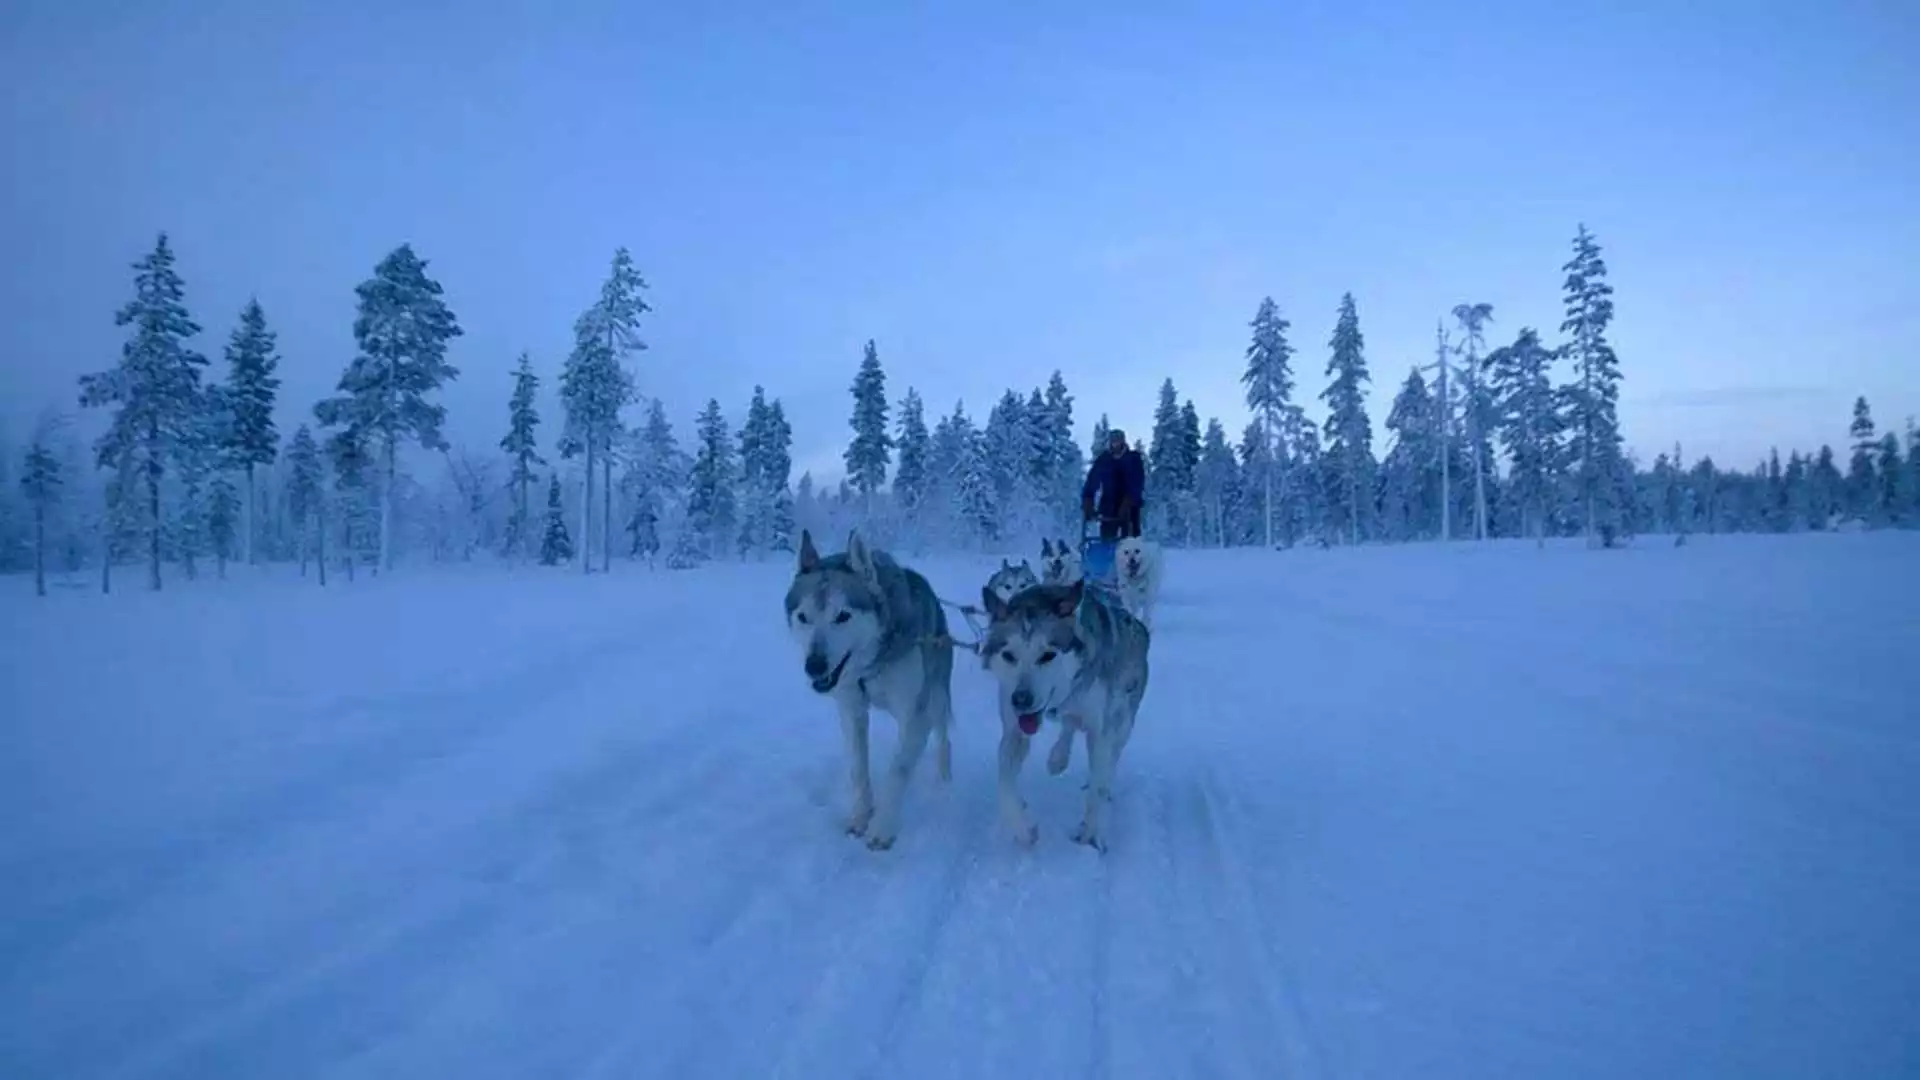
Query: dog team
x=873, y=635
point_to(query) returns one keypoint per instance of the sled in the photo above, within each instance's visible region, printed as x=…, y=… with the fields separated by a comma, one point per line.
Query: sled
x=1097, y=560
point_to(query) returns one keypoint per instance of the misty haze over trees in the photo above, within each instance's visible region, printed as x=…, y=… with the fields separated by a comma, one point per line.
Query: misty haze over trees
x=1506, y=432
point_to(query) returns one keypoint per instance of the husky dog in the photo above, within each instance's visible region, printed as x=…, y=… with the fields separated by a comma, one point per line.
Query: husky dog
x=1059, y=565
x=1056, y=649
x=1137, y=571
x=873, y=634
x=1011, y=578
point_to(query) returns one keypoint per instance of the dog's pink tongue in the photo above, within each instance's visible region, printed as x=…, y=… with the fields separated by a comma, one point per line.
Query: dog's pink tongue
x=1030, y=723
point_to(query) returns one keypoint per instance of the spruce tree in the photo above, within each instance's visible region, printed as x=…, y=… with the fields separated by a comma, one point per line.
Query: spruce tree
x=1215, y=480
x=977, y=509
x=1269, y=381
x=402, y=328
x=756, y=494
x=1004, y=445
x=40, y=482
x=1069, y=467
x=1477, y=406
x=1410, y=475
x=1892, y=503
x=522, y=446
x=1349, y=448
x=871, y=450
x=1102, y=431
x=251, y=389
x=1862, y=486
x=304, y=494
x=1826, y=489
x=711, y=499
x=779, y=466
x=1596, y=457
x=350, y=452
x=595, y=385
x=223, y=513
x=654, y=472
x=1528, y=422
x=556, y=547
x=156, y=388
x=910, y=481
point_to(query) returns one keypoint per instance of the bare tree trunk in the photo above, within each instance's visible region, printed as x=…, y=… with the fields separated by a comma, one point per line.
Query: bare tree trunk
x=586, y=516
x=320, y=542
x=246, y=533
x=606, y=515
x=39, y=547
x=153, y=506
x=386, y=507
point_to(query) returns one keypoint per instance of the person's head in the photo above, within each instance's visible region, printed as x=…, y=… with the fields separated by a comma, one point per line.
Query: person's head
x=1116, y=442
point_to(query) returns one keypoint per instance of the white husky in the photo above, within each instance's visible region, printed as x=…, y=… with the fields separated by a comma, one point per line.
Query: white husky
x=1137, y=569
x=872, y=633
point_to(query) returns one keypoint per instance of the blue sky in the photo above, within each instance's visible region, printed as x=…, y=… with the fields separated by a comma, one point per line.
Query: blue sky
x=990, y=191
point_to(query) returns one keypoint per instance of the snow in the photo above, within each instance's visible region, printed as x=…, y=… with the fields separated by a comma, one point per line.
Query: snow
x=1474, y=811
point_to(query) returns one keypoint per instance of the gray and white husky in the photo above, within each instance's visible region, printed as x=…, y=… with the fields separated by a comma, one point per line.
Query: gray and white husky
x=1056, y=649
x=872, y=634
x=1059, y=564
x=1011, y=578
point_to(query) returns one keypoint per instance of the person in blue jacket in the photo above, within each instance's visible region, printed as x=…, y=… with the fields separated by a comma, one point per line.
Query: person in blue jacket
x=1116, y=485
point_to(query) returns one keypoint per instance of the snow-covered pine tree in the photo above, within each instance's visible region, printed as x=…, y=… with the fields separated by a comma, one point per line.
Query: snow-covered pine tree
x=1862, y=485
x=1069, y=466
x=1163, y=479
x=711, y=500
x=941, y=507
x=911, y=480
x=1349, y=433
x=1913, y=472
x=1528, y=423
x=1799, y=494
x=1269, y=381
x=1476, y=406
x=871, y=450
x=756, y=495
x=250, y=392
x=40, y=482
x=595, y=385
x=201, y=453
x=1041, y=479
x=351, y=455
x=1892, y=503
x=1826, y=490
x=1596, y=455
x=1215, y=482
x=402, y=327
x=977, y=510
x=1410, y=483
x=156, y=388
x=1102, y=431
x=1004, y=442
x=654, y=474
x=522, y=446
x=305, y=493
x=556, y=547
x=223, y=519
x=779, y=466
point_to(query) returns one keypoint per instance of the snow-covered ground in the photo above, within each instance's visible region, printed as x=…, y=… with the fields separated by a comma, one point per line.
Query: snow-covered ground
x=1427, y=812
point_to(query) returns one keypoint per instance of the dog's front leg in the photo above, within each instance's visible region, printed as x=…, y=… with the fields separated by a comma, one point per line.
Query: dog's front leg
x=1101, y=748
x=1061, y=755
x=1013, y=754
x=886, y=824
x=853, y=726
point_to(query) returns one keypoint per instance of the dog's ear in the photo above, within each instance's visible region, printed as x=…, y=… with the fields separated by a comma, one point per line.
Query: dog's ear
x=1069, y=601
x=860, y=556
x=996, y=608
x=809, y=555
x=1046, y=548
x=1004, y=565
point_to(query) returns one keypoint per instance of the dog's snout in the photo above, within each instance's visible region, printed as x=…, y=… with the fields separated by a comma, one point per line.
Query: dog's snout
x=816, y=665
x=1022, y=700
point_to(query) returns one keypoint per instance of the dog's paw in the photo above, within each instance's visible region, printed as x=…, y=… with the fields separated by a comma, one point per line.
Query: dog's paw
x=1060, y=757
x=1090, y=836
x=858, y=820
x=878, y=841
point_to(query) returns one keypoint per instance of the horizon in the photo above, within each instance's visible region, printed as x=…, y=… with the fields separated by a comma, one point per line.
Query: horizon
x=989, y=201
